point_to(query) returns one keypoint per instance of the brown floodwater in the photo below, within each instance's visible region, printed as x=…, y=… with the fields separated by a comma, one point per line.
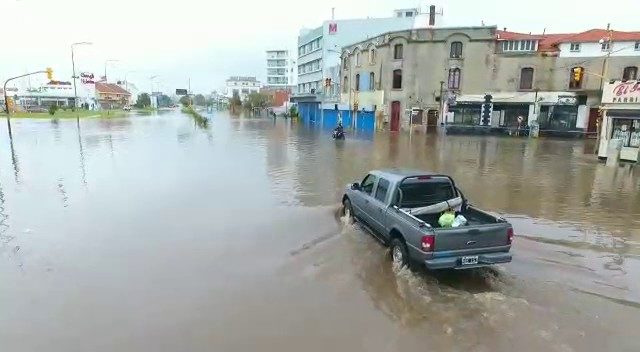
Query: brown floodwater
x=153, y=234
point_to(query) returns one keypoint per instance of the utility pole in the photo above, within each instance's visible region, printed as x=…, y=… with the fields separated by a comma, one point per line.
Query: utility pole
x=442, y=117
x=73, y=67
x=603, y=78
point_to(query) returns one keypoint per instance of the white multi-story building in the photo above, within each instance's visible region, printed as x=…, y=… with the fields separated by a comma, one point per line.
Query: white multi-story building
x=319, y=49
x=281, y=72
x=241, y=86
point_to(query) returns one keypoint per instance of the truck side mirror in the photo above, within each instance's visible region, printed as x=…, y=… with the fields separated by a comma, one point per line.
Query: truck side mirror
x=355, y=186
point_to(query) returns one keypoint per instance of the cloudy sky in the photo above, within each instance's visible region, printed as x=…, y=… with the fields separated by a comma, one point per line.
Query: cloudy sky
x=208, y=41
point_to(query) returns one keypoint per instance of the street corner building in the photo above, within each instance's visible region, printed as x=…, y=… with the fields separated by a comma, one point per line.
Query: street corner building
x=319, y=85
x=111, y=95
x=481, y=80
x=620, y=129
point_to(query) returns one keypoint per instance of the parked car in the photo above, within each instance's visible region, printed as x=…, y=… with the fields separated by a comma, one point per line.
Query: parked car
x=402, y=209
x=126, y=108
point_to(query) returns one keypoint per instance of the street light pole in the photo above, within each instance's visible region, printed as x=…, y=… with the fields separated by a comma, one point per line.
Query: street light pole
x=105, y=68
x=73, y=67
x=6, y=99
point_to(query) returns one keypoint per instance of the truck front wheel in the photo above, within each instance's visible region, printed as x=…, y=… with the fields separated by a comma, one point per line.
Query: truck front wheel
x=399, y=253
x=347, y=211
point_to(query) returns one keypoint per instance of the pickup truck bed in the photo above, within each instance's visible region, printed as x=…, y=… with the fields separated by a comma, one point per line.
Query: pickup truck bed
x=474, y=217
x=378, y=202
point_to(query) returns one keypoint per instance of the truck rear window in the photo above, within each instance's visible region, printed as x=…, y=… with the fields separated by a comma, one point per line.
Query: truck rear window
x=422, y=193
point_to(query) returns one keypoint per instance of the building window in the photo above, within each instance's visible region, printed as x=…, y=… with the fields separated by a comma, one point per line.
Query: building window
x=630, y=73
x=346, y=63
x=408, y=14
x=454, y=78
x=637, y=46
x=397, y=79
x=357, y=58
x=372, y=56
x=526, y=78
x=397, y=51
x=606, y=45
x=575, y=47
x=345, y=85
x=372, y=81
x=519, y=45
x=456, y=50
x=576, y=77
x=628, y=131
x=357, y=82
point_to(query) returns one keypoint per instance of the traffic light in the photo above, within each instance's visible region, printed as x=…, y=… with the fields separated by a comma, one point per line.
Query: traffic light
x=487, y=108
x=49, y=73
x=327, y=82
x=577, y=74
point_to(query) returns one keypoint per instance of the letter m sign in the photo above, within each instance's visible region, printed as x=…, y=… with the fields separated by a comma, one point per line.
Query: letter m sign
x=333, y=28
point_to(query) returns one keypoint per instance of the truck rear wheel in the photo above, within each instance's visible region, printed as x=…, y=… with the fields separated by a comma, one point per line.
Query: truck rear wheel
x=399, y=253
x=347, y=211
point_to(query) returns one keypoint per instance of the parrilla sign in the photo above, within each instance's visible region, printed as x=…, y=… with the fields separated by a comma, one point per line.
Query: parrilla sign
x=620, y=92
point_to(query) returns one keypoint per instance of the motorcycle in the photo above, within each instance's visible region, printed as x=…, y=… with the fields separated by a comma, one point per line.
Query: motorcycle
x=337, y=134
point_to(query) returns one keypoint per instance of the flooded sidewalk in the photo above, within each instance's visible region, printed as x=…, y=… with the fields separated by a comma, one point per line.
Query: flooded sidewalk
x=152, y=233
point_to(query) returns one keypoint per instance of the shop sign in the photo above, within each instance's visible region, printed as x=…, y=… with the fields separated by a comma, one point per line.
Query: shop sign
x=333, y=28
x=620, y=92
x=87, y=78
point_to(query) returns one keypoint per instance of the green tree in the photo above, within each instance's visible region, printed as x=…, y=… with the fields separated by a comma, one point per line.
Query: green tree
x=185, y=100
x=143, y=101
x=293, y=112
x=164, y=101
x=52, y=109
x=257, y=100
x=235, y=100
x=199, y=100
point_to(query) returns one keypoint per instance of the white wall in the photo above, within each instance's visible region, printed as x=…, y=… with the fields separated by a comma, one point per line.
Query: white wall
x=595, y=50
x=582, y=120
x=348, y=32
x=251, y=86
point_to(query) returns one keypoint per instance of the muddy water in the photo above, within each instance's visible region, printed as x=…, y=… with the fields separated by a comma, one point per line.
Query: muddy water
x=149, y=233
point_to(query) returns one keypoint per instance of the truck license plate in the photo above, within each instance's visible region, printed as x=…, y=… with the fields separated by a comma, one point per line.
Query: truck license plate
x=470, y=260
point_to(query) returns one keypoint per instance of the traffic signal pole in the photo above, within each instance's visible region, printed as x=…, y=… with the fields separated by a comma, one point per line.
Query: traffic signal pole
x=6, y=102
x=6, y=99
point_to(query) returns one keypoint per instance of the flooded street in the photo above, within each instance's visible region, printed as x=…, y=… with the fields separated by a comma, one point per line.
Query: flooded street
x=151, y=234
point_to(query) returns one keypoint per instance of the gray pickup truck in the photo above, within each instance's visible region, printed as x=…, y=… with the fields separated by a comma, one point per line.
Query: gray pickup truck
x=402, y=208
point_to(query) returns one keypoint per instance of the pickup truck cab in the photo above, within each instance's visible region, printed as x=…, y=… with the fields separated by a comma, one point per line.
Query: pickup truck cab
x=402, y=208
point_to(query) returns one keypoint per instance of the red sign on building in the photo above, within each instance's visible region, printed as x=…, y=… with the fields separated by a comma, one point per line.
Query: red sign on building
x=333, y=28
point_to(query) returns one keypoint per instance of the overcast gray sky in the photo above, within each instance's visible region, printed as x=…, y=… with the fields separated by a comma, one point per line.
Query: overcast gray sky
x=211, y=40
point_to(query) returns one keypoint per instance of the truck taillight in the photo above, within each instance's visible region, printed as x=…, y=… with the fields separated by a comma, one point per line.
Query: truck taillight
x=510, y=235
x=428, y=242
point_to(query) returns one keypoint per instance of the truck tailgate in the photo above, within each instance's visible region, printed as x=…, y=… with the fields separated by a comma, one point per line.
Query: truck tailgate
x=471, y=237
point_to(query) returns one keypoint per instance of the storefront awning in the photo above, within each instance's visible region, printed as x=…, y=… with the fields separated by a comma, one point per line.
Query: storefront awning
x=545, y=98
x=626, y=113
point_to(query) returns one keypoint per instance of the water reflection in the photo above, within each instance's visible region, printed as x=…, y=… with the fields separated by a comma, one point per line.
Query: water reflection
x=152, y=189
x=14, y=158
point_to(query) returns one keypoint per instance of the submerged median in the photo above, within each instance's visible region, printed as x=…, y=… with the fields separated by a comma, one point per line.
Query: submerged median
x=200, y=120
